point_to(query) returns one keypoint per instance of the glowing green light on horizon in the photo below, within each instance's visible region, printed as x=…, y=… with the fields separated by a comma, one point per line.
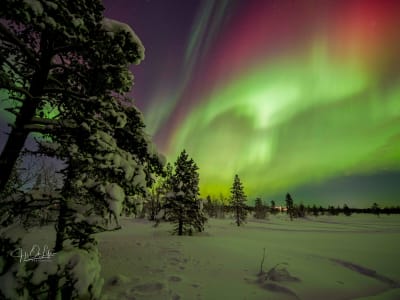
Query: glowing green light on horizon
x=295, y=121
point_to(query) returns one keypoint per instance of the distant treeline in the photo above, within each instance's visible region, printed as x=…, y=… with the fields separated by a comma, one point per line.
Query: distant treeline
x=260, y=210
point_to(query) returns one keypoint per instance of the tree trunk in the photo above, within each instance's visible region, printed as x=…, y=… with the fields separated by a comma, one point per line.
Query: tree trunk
x=60, y=227
x=16, y=140
x=60, y=236
x=9, y=156
x=180, y=227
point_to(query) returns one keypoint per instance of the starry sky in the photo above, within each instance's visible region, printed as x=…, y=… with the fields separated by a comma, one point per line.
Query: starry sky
x=294, y=96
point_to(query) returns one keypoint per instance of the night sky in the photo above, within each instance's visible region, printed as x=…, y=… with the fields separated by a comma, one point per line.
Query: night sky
x=294, y=96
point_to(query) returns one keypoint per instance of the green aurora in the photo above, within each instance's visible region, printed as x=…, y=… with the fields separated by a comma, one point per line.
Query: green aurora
x=293, y=122
x=293, y=96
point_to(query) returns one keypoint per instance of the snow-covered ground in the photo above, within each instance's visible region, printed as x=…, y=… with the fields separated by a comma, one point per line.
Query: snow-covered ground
x=326, y=257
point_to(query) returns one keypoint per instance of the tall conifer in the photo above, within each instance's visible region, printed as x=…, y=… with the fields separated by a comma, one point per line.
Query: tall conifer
x=238, y=199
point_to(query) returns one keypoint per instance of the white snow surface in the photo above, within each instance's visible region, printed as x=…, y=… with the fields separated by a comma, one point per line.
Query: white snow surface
x=330, y=255
x=85, y=268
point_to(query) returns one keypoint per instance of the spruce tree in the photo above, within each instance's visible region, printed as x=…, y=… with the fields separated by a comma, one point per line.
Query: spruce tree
x=182, y=203
x=238, y=199
x=290, y=206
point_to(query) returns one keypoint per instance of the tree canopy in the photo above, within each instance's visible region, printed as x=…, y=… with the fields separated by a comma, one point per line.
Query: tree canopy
x=66, y=70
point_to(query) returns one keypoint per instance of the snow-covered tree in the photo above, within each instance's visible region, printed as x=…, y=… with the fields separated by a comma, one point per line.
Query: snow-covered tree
x=54, y=55
x=182, y=204
x=67, y=68
x=238, y=201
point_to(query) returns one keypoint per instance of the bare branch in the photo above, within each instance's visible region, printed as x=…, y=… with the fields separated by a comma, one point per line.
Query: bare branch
x=62, y=66
x=45, y=121
x=66, y=68
x=39, y=128
x=67, y=48
x=56, y=81
x=15, y=70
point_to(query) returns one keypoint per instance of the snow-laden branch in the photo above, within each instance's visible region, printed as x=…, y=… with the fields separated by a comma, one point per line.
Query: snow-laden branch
x=44, y=121
x=9, y=36
x=39, y=128
x=62, y=91
x=9, y=86
x=44, y=125
x=33, y=198
x=12, y=110
x=113, y=27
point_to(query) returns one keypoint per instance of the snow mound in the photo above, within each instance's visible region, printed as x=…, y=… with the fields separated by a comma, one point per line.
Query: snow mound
x=116, y=196
x=84, y=268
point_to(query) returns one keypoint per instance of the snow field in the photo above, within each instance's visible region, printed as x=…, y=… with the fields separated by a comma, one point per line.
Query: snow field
x=333, y=257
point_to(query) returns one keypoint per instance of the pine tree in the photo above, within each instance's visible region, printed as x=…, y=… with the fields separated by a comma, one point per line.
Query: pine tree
x=182, y=204
x=58, y=57
x=67, y=58
x=290, y=206
x=238, y=199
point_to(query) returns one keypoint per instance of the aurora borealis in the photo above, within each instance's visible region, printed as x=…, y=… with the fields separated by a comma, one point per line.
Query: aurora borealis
x=289, y=94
